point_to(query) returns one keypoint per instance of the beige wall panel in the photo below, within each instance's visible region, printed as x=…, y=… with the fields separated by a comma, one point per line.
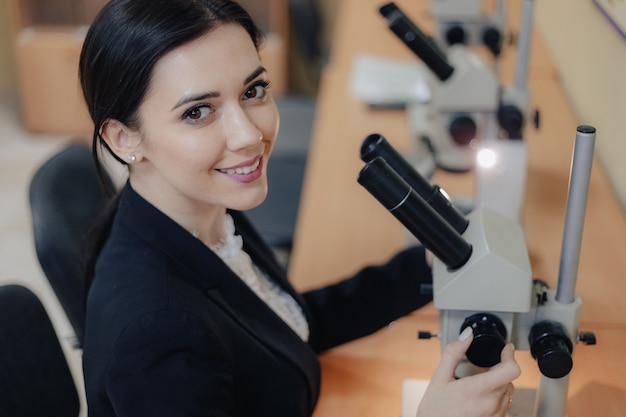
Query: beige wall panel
x=590, y=56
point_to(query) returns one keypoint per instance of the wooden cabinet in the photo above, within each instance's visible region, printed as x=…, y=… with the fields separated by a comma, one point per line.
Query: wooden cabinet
x=272, y=17
x=47, y=39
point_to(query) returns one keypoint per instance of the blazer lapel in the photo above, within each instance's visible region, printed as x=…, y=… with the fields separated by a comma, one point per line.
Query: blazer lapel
x=245, y=307
x=234, y=297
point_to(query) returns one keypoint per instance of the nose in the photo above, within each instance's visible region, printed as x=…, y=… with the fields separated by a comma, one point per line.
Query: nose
x=240, y=129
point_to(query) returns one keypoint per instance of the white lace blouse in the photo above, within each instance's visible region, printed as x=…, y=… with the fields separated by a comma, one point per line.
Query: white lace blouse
x=275, y=297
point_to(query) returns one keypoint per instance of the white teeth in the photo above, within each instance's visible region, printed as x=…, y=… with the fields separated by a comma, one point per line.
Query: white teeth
x=241, y=170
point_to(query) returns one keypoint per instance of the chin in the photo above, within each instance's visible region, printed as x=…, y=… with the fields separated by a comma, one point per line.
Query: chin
x=250, y=203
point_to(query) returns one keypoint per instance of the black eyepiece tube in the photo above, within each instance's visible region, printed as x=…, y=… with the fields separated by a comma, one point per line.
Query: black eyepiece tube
x=376, y=145
x=414, y=213
x=423, y=46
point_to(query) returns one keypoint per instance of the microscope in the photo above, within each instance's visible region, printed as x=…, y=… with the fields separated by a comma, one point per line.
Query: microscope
x=471, y=122
x=482, y=275
x=463, y=96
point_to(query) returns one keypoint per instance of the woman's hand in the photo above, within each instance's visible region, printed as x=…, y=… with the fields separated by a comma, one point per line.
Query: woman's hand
x=483, y=395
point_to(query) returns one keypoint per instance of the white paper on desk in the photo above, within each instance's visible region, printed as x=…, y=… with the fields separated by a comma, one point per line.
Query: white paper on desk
x=413, y=390
x=388, y=82
x=412, y=393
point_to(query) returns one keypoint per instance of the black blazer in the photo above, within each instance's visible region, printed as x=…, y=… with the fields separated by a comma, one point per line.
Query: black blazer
x=172, y=331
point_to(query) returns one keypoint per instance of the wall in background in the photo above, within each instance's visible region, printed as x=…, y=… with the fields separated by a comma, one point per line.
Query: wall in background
x=590, y=56
x=7, y=72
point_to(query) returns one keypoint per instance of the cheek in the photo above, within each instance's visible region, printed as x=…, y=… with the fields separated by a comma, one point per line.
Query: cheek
x=171, y=150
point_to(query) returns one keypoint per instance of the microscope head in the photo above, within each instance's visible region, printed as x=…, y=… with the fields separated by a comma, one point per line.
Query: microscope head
x=497, y=276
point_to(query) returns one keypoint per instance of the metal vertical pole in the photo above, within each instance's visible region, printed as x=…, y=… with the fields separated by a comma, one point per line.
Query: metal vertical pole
x=523, y=45
x=552, y=397
x=580, y=174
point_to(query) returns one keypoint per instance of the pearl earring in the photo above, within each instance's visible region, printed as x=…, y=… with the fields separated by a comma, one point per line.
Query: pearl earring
x=132, y=158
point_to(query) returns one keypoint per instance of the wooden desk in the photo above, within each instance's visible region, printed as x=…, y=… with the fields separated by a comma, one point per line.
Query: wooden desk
x=341, y=228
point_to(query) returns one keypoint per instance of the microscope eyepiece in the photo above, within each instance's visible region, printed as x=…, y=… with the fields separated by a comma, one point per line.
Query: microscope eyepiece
x=423, y=46
x=375, y=145
x=397, y=196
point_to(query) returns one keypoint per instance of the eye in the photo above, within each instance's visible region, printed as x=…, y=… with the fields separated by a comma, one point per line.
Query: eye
x=257, y=90
x=197, y=113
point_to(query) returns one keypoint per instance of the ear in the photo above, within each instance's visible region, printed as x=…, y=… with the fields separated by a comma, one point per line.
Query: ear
x=122, y=140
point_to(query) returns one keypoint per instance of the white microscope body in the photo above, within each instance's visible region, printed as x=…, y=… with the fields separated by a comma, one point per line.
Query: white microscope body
x=482, y=275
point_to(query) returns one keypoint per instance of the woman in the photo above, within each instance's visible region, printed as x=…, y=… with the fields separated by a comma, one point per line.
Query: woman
x=188, y=312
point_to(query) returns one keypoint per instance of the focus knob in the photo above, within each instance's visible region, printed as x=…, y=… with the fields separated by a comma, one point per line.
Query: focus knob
x=552, y=348
x=455, y=34
x=489, y=339
x=493, y=40
x=462, y=129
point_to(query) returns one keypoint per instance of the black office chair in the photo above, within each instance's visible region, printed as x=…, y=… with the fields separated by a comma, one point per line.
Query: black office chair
x=65, y=199
x=35, y=379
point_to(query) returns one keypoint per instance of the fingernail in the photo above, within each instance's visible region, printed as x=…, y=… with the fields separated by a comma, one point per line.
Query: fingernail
x=465, y=333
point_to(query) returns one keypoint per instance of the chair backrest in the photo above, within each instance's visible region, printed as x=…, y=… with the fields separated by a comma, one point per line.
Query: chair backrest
x=66, y=197
x=35, y=379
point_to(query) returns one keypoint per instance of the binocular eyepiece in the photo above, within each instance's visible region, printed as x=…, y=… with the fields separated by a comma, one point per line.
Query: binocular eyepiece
x=423, y=209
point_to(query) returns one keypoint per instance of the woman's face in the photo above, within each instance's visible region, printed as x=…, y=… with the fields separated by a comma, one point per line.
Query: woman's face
x=207, y=126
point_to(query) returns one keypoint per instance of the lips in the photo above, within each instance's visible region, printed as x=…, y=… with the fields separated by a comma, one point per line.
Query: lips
x=242, y=170
x=245, y=171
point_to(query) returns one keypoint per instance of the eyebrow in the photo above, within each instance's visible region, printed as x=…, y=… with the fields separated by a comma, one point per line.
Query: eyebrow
x=260, y=70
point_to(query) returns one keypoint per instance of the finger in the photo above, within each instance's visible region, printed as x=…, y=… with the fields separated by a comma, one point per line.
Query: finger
x=510, y=389
x=502, y=373
x=505, y=400
x=508, y=353
x=452, y=355
x=510, y=368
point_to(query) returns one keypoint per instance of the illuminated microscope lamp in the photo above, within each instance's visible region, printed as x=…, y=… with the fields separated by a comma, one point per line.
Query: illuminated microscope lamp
x=500, y=177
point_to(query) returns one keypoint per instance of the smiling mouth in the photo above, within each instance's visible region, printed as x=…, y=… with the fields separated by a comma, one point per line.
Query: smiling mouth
x=242, y=170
